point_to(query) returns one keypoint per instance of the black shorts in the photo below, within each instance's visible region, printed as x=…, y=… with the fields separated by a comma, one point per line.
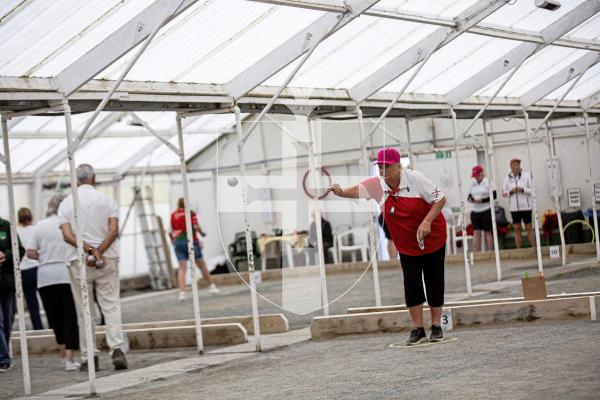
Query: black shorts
x=388, y=235
x=482, y=220
x=428, y=268
x=518, y=216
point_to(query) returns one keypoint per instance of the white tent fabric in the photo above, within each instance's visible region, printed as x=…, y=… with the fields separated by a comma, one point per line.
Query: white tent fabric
x=214, y=41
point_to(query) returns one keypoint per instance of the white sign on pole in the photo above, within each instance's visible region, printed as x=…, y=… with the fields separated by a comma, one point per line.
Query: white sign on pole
x=597, y=192
x=554, y=251
x=574, y=197
x=447, y=323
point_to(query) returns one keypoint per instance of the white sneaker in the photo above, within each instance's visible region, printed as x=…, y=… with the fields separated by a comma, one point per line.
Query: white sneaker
x=72, y=366
x=182, y=296
x=213, y=289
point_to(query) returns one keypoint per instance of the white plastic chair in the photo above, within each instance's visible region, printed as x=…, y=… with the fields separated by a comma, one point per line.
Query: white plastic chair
x=360, y=238
x=285, y=247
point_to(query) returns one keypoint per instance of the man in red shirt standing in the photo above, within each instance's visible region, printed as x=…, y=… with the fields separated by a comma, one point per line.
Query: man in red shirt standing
x=411, y=205
x=179, y=235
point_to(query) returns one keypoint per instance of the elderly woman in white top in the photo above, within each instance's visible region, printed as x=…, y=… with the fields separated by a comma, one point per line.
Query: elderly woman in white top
x=54, y=284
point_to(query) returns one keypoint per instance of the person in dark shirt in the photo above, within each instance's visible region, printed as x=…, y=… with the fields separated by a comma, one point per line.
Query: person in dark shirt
x=7, y=292
x=327, y=236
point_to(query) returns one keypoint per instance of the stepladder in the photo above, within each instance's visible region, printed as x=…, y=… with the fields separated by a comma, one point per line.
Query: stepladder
x=156, y=245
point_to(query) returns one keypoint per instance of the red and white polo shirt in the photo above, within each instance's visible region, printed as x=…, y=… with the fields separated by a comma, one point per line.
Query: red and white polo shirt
x=410, y=203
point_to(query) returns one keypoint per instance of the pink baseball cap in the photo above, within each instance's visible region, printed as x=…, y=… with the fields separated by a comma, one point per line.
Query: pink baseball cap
x=388, y=156
x=476, y=171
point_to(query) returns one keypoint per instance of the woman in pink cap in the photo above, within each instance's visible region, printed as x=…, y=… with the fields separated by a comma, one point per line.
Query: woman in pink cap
x=481, y=208
x=411, y=205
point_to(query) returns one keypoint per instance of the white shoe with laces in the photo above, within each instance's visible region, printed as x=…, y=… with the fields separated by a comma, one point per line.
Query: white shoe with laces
x=182, y=296
x=213, y=289
x=72, y=365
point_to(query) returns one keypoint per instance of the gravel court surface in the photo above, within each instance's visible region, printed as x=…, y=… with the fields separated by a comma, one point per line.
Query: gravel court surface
x=46, y=370
x=235, y=300
x=533, y=361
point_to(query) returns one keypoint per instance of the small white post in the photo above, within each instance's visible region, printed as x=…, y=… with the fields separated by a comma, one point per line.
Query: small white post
x=372, y=241
x=536, y=220
x=314, y=180
x=85, y=297
x=191, y=264
x=552, y=154
x=492, y=201
x=249, y=248
x=462, y=203
x=16, y=261
x=589, y=161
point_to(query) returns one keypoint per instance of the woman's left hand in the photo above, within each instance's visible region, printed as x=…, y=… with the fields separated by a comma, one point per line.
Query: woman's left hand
x=424, y=229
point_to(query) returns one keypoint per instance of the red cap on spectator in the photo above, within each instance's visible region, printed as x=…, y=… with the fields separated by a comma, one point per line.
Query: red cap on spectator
x=477, y=170
x=388, y=155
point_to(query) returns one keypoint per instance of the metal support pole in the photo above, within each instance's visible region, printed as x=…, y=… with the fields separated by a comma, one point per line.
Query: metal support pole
x=487, y=104
x=547, y=117
x=249, y=248
x=408, y=144
x=536, y=220
x=589, y=161
x=287, y=81
x=85, y=298
x=399, y=94
x=552, y=154
x=120, y=79
x=313, y=175
x=190, y=239
x=365, y=161
x=16, y=260
x=492, y=201
x=462, y=204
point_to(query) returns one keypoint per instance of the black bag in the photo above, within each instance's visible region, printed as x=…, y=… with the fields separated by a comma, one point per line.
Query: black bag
x=501, y=217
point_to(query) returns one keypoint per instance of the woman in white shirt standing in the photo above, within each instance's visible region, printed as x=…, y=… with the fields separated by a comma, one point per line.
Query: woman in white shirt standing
x=29, y=268
x=53, y=281
x=481, y=209
x=518, y=188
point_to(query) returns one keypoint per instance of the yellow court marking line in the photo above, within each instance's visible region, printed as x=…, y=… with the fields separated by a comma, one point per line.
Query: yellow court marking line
x=402, y=345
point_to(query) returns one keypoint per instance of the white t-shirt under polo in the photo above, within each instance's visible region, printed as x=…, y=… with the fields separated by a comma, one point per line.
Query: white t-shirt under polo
x=96, y=209
x=26, y=235
x=52, y=249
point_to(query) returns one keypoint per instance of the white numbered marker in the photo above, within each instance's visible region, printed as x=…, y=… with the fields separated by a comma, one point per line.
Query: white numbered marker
x=447, y=324
x=554, y=251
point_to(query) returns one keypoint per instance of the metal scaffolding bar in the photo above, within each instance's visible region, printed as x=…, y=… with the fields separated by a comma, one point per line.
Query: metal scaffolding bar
x=16, y=260
x=320, y=249
x=491, y=180
x=588, y=137
x=536, y=219
x=552, y=157
x=190, y=238
x=462, y=204
x=85, y=298
x=249, y=246
x=373, y=216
